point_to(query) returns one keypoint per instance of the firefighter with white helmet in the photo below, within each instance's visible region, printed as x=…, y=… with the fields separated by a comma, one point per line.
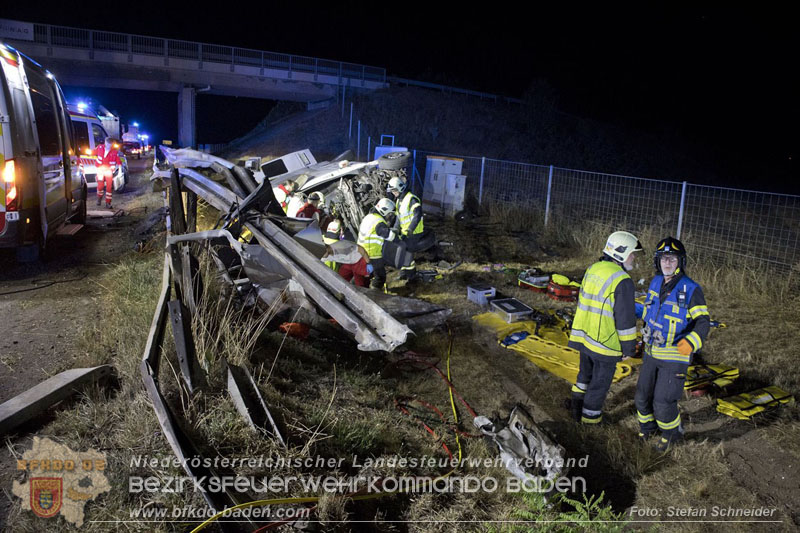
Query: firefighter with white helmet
x=676, y=323
x=311, y=208
x=107, y=163
x=409, y=220
x=345, y=257
x=604, y=327
x=372, y=233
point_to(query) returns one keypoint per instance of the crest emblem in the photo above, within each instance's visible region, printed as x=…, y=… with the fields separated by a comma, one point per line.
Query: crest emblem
x=46, y=496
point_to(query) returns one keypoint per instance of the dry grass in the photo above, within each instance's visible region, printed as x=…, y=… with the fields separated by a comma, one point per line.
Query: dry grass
x=336, y=402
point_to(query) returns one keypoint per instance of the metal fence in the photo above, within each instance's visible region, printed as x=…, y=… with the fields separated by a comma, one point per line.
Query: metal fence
x=94, y=40
x=726, y=225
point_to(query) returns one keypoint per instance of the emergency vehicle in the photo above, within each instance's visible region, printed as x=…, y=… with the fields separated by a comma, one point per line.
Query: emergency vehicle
x=42, y=187
x=89, y=134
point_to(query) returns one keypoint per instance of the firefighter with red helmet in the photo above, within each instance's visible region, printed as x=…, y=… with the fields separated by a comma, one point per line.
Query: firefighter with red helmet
x=107, y=163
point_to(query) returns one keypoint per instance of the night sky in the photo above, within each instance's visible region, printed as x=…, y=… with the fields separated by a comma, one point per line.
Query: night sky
x=723, y=79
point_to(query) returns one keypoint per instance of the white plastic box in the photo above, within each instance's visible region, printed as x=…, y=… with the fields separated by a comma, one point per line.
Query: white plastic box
x=480, y=294
x=511, y=309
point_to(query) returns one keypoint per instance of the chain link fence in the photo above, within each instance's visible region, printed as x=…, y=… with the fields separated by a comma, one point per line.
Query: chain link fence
x=727, y=226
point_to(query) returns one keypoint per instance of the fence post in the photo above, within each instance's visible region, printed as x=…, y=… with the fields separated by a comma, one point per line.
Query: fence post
x=350, y=130
x=680, y=213
x=414, y=170
x=358, y=143
x=343, y=88
x=547, y=202
x=480, y=187
x=369, y=145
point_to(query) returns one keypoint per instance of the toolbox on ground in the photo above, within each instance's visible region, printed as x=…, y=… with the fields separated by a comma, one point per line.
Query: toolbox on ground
x=511, y=309
x=480, y=294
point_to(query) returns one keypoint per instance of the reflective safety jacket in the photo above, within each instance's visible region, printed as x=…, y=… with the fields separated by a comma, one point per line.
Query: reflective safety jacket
x=409, y=214
x=605, y=321
x=282, y=195
x=371, y=234
x=107, y=162
x=682, y=314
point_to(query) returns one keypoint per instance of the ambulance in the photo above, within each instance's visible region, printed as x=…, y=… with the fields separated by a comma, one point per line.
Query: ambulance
x=42, y=187
x=89, y=134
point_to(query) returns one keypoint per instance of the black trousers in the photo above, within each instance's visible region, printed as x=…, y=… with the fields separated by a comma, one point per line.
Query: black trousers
x=591, y=387
x=378, y=273
x=658, y=390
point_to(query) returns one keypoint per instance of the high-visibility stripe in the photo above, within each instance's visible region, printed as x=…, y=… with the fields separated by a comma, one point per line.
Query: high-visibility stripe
x=669, y=425
x=698, y=310
x=580, y=336
x=580, y=388
x=695, y=340
x=591, y=420
x=615, y=276
x=644, y=419
x=626, y=332
x=604, y=312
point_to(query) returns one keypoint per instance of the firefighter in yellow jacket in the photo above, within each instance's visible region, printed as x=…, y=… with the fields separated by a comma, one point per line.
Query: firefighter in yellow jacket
x=409, y=221
x=372, y=233
x=604, y=327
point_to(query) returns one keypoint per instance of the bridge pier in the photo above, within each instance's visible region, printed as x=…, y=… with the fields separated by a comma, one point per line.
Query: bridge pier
x=186, y=118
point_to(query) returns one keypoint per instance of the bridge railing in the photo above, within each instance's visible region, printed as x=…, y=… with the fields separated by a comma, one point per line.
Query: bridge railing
x=63, y=36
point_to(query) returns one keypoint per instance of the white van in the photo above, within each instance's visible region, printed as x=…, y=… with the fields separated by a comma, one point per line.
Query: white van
x=89, y=134
x=42, y=187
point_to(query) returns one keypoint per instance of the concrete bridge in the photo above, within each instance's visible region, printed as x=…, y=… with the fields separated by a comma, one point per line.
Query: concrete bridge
x=92, y=58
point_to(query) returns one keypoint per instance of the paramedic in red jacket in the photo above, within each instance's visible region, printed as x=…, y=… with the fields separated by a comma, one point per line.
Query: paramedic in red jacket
x=107, y=163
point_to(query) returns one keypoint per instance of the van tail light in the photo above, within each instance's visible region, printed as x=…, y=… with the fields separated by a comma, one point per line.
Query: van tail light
x=10, y=181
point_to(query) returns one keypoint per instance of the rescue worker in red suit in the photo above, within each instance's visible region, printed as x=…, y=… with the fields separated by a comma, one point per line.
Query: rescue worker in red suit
x=311, y=208
x=346, y=257
x=107, y=162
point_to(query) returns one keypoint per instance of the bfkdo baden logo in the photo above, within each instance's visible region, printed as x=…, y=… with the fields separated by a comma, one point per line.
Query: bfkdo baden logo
x=59, y=480
x=46, y=496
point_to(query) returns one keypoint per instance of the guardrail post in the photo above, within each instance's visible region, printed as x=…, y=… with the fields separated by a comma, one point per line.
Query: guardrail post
x=547, y=202
x=358, y=143
x=680, y=213
x=480, y=187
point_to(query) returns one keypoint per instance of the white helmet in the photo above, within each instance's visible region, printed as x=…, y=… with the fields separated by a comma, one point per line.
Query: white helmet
x=316, y=197
x=334, y=226
x=622, y=244
x=385, y=206
x=396, y=185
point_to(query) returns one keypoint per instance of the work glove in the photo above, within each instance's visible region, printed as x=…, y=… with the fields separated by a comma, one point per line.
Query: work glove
x=685, y=347
x=370, y=269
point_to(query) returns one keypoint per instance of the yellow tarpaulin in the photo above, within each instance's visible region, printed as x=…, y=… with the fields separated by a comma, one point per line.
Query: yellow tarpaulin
x=549, y=352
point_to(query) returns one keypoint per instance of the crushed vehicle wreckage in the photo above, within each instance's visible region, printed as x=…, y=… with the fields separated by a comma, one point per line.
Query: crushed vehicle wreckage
x=275, y=260
x=282, y=258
